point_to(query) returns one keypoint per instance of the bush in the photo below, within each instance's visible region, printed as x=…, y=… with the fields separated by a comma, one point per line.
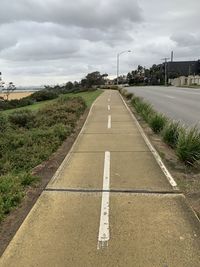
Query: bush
x=188, y=146
x=28, y=179
x=62, y=131
x=43, y=95
x=3, y=123
x=157, y=122
x=29, y=139
x=171, y=133
x=22, y=118
x=10, y=192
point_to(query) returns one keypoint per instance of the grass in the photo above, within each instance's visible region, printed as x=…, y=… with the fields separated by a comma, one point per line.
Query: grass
x=143, y=108
x=88, y=97
x=188, y=146
x=157, y=122
x=170, y=133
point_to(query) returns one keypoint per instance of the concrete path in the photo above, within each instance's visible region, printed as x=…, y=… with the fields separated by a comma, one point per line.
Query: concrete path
x=108, y=205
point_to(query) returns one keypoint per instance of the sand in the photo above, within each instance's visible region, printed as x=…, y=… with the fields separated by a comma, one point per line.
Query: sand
x=17, y=95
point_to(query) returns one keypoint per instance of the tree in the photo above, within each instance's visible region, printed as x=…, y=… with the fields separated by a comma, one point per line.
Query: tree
x=94, y=78
x=9, y=89
x=69, y=86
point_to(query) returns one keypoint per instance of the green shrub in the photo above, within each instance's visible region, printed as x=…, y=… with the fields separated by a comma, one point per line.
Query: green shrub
x=188, y=146
x=28, y=179
x=43, y=95
x=10, y=192
x=22, y=118
x=32, y=139
x=3, y=123
x=157, y=122
x=62, y=131
x=171, y=133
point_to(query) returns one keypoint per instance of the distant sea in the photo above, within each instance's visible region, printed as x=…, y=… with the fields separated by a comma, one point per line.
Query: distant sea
x=28, y=88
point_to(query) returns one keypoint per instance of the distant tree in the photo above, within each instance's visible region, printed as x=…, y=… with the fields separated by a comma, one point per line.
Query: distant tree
x=7, y=90
x=84, y=82
x=69, y=86
x=95, y=78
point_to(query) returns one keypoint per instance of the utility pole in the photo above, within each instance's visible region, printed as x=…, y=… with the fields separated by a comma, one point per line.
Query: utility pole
x=165, y=59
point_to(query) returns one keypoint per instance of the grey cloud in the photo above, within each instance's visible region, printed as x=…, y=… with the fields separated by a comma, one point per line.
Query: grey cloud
x=89, y=14
x=185, y=39
x=40, y=49
x=54, y=41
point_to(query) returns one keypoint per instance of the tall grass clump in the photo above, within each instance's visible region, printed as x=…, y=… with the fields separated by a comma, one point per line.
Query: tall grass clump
x=144, y=109
x=170, y=133
x=157, y=122
x=188, y=146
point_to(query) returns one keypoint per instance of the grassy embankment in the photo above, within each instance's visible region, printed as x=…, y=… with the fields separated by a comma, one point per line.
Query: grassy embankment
x=88, y=97
x=28, y=136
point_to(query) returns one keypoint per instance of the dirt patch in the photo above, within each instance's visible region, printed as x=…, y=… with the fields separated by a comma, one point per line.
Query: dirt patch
x=187, y=178
x=45, y=171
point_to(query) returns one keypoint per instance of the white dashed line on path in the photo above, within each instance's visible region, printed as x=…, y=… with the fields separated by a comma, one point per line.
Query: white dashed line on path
x=104, y=233
x=109, y=121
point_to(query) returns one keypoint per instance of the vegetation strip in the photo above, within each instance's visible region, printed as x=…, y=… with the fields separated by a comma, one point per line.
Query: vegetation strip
x=185, y=142
x=28, y=138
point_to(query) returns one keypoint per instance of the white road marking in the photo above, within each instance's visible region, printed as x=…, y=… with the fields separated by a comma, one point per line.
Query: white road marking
x=108, y=107
x=153, y=150
x=109, y=121
x=104, y=233
x=108, y=99
x=169, y=96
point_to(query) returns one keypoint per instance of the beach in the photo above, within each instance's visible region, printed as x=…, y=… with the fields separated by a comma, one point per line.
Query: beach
x=16, y=95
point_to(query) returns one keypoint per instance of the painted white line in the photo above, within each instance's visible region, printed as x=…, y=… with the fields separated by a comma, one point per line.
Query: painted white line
x=104, y=233
x=153, y=150
x=108, y=99
x=108, y=107
x=169, y=96
x=109, y=121
x=68, y=156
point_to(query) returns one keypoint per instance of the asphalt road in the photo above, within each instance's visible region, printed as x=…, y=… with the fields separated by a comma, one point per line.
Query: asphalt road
x=182, y=104
x=108, y=205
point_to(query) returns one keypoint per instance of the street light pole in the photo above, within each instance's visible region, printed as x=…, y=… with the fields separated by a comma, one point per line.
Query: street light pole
x=118, y=55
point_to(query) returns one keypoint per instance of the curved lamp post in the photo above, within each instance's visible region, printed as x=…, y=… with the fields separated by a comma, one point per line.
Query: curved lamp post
x=118, y=55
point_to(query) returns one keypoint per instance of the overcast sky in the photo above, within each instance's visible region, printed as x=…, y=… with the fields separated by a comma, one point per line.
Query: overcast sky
x=54, y=41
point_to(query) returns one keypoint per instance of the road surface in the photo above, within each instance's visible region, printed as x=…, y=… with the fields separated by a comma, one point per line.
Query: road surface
x=182, y=104
x=109, y=204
